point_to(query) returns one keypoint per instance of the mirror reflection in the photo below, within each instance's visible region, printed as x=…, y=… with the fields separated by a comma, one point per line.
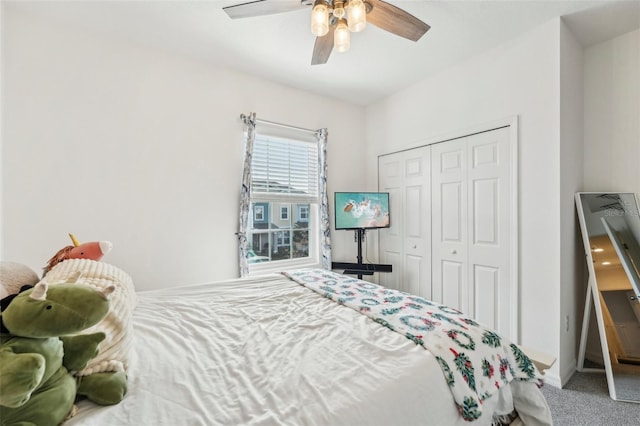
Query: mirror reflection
x=610, y=224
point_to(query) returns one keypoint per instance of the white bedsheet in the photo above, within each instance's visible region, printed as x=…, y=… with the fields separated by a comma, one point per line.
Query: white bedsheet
x=267, y=351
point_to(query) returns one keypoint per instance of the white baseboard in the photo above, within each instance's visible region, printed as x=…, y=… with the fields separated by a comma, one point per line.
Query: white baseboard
x=568, y=373
x=556, y=380
x=559, y=380
x=552, y=379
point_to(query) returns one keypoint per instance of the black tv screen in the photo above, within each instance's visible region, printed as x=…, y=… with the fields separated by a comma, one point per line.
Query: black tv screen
x=361, y=210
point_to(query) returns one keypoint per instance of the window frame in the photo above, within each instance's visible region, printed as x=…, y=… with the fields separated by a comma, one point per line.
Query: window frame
x=312, y=222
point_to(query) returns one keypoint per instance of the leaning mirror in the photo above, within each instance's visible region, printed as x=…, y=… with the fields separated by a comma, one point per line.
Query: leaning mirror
x=610, y=224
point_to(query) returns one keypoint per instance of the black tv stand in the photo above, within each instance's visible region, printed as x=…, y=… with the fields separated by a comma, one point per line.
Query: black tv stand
x=360, y=268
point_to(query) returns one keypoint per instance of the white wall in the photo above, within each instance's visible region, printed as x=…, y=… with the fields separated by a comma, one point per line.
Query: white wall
x=117, y=141
x=611, y=127
x=612, y=115
x=572, y=284
x=519, y=78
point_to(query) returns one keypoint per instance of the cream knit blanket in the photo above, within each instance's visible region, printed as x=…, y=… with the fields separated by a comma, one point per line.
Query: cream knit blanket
x=114, y=349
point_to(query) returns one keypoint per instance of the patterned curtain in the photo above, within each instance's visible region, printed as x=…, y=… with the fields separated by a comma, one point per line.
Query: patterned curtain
x=325, y=226
x=245, y=200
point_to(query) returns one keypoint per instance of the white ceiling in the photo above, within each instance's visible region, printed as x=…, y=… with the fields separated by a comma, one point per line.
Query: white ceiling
x=278, y=47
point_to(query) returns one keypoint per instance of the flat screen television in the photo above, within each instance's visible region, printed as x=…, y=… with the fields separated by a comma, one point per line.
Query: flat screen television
x=361, y=210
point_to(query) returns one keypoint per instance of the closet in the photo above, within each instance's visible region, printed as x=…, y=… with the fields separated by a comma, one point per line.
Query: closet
x=452, y=237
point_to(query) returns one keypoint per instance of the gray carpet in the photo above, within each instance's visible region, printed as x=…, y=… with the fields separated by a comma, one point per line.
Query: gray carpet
x=628, y=387
x=585, y=401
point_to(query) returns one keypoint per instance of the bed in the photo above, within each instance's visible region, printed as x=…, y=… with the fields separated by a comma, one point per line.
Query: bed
x=270, y=351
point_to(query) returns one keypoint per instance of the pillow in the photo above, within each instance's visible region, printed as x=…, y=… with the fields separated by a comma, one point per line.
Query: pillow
x=115, y=348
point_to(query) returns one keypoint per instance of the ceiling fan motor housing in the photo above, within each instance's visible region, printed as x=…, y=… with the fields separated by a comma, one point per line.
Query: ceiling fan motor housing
x=330, y=3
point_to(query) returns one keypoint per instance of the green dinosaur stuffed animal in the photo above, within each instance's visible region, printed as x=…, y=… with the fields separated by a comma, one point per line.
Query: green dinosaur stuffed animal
x=41, y=347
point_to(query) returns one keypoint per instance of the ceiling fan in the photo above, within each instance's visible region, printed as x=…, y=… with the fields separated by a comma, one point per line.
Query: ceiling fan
x=333, y=20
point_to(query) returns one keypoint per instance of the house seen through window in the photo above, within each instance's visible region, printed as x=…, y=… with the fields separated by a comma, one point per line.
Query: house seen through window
x=285, y=200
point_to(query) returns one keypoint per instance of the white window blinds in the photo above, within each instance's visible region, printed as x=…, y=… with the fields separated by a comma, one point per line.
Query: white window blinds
x=284, y=169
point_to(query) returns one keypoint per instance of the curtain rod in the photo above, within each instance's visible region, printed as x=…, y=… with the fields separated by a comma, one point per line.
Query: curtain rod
x=258, y=120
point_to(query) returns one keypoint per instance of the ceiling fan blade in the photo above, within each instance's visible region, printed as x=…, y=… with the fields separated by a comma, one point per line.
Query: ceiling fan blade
x=395, y=20
x=263, y=7
x=322, y=48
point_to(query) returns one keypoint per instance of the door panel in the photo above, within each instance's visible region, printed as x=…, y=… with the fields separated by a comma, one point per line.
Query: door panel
x=413, y=214
x=391, y=280
x=485, y=294
x=391, y=251
x=485, y=210
x=390, y=179
x=407, y=243
x=489, y=221
x=451, y=223
x=413, y=274
x=453, y=281
x=449, y=212
x=484, y=154
x=417, y=216
x=451, y=159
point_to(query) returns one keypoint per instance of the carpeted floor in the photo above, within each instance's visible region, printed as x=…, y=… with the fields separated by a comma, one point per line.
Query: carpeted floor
x=585, y=401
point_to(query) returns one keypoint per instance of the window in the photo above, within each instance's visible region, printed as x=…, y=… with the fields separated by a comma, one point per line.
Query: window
x=284, y=213
x=284, y=181
x=303, y=213
x=258, y=213
x=283, y=238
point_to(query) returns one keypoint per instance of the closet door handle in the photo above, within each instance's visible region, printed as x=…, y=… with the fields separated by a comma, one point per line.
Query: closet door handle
x=453, y=252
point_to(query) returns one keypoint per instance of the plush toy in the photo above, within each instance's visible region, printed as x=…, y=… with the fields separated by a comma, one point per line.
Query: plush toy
x=13, y=276
x=115, y=349
x=113, y=357
x=41, y=348
x=94, y=250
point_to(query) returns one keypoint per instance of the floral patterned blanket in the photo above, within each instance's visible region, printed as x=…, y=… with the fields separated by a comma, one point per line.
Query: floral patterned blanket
x=475, y=360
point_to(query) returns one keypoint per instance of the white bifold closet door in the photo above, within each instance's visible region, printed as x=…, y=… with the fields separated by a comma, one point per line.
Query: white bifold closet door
x=406, y=244
x=471, y=217
x=462, y=229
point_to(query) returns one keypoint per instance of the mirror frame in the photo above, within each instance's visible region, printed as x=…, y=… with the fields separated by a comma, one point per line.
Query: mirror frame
x=593, y=296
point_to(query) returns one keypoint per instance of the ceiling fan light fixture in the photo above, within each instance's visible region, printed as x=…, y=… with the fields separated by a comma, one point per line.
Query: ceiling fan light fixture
x=320, y=18
x=356, y=15
x=341, y=37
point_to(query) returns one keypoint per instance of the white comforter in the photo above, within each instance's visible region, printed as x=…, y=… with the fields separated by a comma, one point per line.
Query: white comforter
x=267, y=351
